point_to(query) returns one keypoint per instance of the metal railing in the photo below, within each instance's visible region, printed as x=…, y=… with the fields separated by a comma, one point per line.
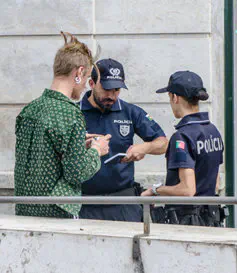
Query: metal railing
x=146, y=201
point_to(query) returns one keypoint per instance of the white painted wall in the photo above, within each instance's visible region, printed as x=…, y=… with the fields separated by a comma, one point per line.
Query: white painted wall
x=151, y=38
x=36, y=245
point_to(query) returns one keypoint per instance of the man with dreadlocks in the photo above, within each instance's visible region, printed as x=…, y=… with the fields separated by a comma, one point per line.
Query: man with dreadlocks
x=105, y=113
x=52, y=158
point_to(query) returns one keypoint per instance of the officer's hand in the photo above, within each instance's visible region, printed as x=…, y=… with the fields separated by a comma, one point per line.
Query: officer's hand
x=147, y=192
x=89, y=138
x=101, y=144
x=134, y=153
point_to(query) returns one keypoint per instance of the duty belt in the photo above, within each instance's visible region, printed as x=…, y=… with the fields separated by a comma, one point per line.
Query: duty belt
x=182, y=211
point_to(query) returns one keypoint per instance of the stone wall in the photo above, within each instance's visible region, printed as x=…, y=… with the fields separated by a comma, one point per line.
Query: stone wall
x=151, y=38
x=48, y=245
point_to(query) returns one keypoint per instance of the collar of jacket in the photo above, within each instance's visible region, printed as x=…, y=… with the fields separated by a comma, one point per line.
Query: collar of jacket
x=58, y=96
x=197, y=118
x=86, y=105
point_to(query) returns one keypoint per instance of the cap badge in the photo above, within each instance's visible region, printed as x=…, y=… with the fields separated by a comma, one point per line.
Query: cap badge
x=114, y=71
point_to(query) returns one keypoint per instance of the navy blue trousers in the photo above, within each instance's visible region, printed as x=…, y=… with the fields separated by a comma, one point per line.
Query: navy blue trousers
x=129, y=213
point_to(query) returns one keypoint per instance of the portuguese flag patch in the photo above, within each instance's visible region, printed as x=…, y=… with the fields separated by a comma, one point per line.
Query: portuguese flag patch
x=180, y=144
x=149, y=117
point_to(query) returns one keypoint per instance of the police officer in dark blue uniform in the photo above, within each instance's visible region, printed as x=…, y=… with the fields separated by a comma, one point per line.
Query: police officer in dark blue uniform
x=194, y=154
x=106, y=113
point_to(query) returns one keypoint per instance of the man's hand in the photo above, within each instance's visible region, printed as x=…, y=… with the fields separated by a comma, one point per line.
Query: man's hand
x=89, y=138
x=101, y=144
x=147, y=192
x=134, y=153
x=137, y=152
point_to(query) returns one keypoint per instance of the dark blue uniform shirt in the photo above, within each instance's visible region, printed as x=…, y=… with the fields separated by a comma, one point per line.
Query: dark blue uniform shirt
x=197, y=145
x=122, y=122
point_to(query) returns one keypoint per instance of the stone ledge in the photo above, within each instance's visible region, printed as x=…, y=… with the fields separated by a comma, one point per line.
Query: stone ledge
x=119, y=229
x=32, y=244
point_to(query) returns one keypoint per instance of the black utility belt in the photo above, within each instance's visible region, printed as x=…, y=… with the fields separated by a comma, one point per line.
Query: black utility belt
x=186, y=210
x=124, y=192
x=172, y=214
x=200, y=210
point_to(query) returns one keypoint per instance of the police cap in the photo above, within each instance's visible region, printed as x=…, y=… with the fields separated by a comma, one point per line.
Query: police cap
x=184, y=83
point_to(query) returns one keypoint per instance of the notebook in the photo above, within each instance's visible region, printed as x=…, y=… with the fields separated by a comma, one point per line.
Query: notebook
x=115, y=158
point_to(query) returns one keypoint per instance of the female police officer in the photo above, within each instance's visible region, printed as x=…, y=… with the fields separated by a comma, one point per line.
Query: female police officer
x=194, y=153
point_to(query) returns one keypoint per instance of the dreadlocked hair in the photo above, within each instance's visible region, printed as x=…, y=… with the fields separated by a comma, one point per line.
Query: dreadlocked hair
x=72, y=55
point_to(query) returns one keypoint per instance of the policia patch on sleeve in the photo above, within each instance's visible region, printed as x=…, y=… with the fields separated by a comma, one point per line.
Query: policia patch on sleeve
x=180, y=153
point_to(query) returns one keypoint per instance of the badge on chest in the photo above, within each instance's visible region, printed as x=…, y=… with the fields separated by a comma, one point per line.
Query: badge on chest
x=124, y=130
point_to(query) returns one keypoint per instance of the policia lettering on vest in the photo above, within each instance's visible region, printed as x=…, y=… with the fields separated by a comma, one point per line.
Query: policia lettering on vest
x=194, y=155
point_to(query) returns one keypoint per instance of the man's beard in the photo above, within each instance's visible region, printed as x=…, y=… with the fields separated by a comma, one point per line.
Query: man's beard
x=102, y=103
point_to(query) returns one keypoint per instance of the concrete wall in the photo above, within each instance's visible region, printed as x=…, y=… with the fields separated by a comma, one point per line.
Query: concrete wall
x=36, y=245
x=151, y=38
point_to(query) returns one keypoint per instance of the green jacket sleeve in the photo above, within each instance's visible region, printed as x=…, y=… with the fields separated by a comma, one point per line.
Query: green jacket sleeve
x=78, y=163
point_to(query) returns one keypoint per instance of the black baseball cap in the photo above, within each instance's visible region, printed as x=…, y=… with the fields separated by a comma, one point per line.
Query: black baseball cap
x=111, y=74
x=184, y=83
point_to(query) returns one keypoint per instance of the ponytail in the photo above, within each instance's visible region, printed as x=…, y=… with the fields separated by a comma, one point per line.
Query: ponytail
x=200, y=95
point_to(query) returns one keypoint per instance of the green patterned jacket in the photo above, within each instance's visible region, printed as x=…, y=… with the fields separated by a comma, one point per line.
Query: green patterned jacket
x=51, y=156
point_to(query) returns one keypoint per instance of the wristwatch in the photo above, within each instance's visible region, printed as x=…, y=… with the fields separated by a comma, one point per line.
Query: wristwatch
x=155, y=187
